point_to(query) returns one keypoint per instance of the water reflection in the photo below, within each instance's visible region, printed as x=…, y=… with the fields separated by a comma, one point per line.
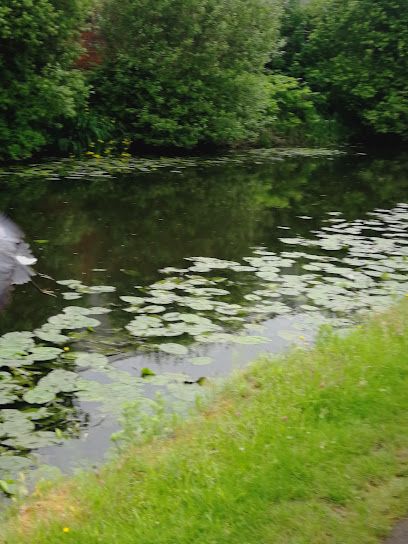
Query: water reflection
x=121, y=231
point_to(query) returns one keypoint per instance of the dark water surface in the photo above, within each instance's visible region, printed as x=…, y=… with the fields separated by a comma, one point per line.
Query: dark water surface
x=282, y=242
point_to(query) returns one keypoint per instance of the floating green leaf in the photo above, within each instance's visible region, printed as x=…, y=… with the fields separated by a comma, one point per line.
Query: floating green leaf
x=173, y=349
x=201, y=361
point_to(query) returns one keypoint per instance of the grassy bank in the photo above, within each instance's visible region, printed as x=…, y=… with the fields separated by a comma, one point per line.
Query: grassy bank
x=308, y=448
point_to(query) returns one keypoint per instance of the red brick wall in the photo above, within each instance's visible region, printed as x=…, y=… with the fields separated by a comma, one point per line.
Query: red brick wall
x=90, y=40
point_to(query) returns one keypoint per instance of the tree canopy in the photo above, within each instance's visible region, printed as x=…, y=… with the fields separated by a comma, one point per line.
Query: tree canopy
x=188, y=73
x=185, y=72
x=38, y=87
x=356, y=53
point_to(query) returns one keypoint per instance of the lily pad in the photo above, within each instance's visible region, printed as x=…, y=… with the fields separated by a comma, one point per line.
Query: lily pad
x=44, y=353
x=201, y=361
x=173, y=349
x=93, y=360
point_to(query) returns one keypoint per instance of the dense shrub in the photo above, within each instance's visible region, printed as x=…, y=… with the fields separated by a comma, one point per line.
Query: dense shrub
x=182, y=73
x=187, y=72
x=294, y=115
x=356, y=53
x=38, y=88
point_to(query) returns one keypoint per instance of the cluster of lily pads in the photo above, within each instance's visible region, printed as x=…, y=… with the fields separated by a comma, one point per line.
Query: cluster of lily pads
x=341, y=270
x=353, y=269
x=109, y=166
x=36, y=385
x=78, y=289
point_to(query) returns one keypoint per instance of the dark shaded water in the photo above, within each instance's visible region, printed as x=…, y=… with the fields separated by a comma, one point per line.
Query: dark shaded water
x=106, y=227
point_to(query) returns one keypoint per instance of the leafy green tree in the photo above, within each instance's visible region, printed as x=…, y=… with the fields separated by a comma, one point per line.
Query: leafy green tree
x=294, y=31
x=294, y=115
x=356, y=53
x=38, y=87
x=187, y=72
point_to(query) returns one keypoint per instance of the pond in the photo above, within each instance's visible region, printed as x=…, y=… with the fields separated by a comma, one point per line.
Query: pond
x=155, y=275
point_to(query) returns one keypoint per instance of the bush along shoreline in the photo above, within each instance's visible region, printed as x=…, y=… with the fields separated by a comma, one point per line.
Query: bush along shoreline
x=102, y=77
x=307, y=447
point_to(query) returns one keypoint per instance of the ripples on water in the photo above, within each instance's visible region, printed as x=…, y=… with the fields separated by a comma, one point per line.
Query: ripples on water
x=186, y=271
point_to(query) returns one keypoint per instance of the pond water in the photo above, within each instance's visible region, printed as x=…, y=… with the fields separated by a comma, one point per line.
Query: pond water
x=167, y=271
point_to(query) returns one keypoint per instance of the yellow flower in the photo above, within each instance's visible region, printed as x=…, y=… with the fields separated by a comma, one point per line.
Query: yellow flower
x=66, y=530
x=66, y=348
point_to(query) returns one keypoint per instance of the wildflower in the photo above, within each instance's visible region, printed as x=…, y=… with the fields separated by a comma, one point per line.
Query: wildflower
x=66, y=530
x=66, y=348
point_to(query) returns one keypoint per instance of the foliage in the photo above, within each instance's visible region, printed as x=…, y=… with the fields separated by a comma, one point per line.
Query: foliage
x=89, y=131
x=192, y=72
x=294, y=116
x=293, y=30
x=187, y=72
x=38, y=88
x=356, y=53
x=289, y=446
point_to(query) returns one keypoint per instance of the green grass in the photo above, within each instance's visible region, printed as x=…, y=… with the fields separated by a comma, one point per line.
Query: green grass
x=309, y=448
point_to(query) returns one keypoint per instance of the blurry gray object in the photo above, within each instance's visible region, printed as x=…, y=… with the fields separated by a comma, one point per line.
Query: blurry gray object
x=16, y=258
